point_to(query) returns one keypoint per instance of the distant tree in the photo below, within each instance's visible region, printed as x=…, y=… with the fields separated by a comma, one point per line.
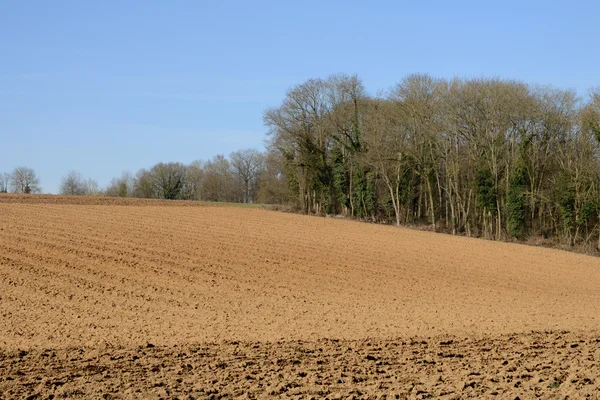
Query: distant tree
x=73, y=184
x=122, y=186
x=168, y=180
x=4, y=182
x=193, y=182
x=143, y=186
x=218, y=183
x=24, y=180
x=247, y=165
x=591, y=113
x=91, y=187
x=162, y=181
x=273, y=182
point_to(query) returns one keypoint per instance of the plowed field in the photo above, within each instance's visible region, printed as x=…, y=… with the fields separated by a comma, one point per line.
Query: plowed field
x=114, y=298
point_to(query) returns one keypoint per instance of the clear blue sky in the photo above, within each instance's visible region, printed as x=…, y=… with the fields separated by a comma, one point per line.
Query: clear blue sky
x=106, y=86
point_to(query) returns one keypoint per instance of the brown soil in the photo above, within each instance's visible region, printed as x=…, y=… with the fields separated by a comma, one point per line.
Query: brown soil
x=95, y=200
x=231, y=291
x=548, y=365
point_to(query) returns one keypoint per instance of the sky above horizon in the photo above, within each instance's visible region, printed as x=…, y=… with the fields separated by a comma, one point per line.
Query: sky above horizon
x=108, y=86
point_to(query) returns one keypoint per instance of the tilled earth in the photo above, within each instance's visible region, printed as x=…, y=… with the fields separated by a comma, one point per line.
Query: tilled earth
x=123, y=298
x=539, y=364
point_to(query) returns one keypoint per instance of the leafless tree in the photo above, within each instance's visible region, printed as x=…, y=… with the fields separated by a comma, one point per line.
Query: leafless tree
x=192, y=189
x=273, y=182
x=72, y=184
x=168, y=180
x=143, y=185
x=122, y=186
x=591, y=113
x=91, y=187
x=218, y=183
x=247, y=165
x=418, y=99
x=386, y=137
x=4, y=182
x=24, y=180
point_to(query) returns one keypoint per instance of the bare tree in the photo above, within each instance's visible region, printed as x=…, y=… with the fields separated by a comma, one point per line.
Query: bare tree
x=4, y=181
x=72, y=184
x=417, y=99
x=247, y=165
x=273, y=181
x=91, y=187
x=217, y=183
x=168, y=180
x=592, y=113
x=193, y=182
x=299, y=128
x=24, y=180
x=345, y=95
x=387, y=137
x=143, y=185
x=590, y=123
x=162, y=181
x=122, y=186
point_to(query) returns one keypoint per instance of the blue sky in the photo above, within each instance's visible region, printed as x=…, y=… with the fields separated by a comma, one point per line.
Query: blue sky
x=107, y=86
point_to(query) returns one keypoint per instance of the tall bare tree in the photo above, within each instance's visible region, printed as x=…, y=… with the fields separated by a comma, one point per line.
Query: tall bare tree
x=24, y=180
x=73, y=184
x=274, y=180
x=218, y=183
x=193, y=182
x=4, y=182
x=417, y=98
x=247, y=165
x=299, y=129
x=91, y=187
x=122, y=186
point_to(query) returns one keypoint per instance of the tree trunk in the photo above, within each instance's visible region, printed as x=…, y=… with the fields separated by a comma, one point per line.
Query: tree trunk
x=395, y=202
x=598, y=234
x=452, y=210
x=431, y=204
x=351, y=194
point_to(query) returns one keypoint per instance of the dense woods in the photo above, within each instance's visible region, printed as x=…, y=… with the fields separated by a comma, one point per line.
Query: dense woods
x=483, y=157
x=490, y=158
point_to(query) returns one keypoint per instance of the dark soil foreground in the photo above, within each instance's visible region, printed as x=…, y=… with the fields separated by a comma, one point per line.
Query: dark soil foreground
x=544, y=365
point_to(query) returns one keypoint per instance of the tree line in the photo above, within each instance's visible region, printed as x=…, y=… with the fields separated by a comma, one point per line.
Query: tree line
x=491, y=158
x=246, y=176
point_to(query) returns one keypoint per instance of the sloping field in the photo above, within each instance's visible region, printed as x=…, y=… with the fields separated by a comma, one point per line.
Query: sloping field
x=131, y=298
